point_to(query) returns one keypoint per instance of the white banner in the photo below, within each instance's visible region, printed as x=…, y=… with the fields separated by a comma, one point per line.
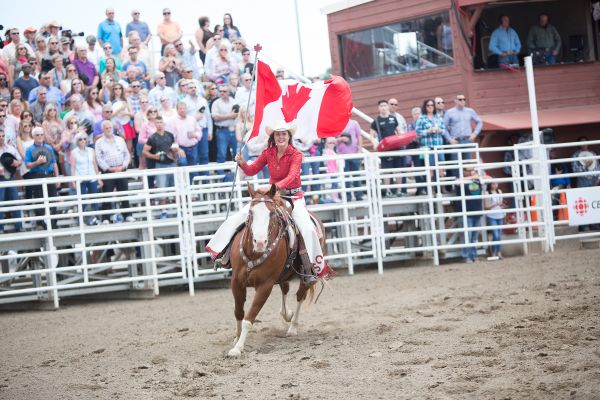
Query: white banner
x=584, y=205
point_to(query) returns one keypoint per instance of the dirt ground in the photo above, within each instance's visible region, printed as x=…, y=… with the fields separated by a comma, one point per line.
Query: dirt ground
x=520, y=328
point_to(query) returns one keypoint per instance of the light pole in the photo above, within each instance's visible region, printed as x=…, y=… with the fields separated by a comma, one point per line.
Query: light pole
x=299, y=38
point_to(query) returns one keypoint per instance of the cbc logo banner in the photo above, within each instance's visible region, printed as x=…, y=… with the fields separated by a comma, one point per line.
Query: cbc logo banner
x=585, y=204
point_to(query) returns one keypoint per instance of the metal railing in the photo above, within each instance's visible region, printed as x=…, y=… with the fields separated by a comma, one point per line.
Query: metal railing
x=164, y=244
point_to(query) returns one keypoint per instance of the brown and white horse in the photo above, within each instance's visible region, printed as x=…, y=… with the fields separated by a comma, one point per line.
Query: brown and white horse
x=258, y=256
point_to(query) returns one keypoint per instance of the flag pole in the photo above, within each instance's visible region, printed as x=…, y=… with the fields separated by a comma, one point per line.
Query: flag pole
x=257, y=49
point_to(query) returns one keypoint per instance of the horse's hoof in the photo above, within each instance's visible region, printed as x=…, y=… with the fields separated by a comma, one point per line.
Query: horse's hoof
x=292, y=331
x=234, y=353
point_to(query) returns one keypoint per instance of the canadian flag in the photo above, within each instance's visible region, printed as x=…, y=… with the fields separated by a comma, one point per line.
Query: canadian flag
x=318, y=110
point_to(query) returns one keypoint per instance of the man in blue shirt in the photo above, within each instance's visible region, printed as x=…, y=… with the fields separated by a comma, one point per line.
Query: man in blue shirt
x=458, y=121
x=41, y=162
x=505, y=43
x=139, y=27
x=110, y=31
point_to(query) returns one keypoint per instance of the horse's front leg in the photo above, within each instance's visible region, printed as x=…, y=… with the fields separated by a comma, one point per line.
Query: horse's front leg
x=239, y=295
x=260, y=297
x=300, y=297
x=285, y=313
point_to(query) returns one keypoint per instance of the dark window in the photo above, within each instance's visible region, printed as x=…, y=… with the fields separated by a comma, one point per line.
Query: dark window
x=396, y=48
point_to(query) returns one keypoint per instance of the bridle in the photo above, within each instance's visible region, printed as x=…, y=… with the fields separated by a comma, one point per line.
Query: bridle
x=250, y=264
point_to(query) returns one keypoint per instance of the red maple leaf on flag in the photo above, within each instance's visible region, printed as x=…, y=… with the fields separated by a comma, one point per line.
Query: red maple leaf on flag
x=293, y=101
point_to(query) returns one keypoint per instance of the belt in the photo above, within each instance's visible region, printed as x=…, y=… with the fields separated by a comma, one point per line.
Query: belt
x=291, y=192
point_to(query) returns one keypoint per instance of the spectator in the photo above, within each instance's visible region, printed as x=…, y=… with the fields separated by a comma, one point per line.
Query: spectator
x=430, y=128
x=66, y=49
x=393, y=103
x=163, y=150
x=142, y=73
x=77, y=88
x=224, y=113
x=161, y=89
x=138, y=26
x=332, y=167
x=24, y=140
x=147, y=129
x=107, y=48
x=383, y=126
x=233, y=84
x=79, y=111
x=93, y=104
x=186, y=132
x=109, y=31
x=243, y=93
x=68, y=143
x=66, y=84
x=168, y=31
x=558, y=183
x=53, y=95
x=505, y=43
x=26, y=82
x=53, y=28
x=585, y=162
x=83, y=163
x=87, y=70
x=41, y=162
x=39, y=51
x=230, y=31
x=112, y=156
x=443, y=35
x=11, y=123
x=236, y=52
x=110, y=69
x=58, y=72
x=212, y=49
x=187, y=58
x=350, y=142
x=123, y=114
x=134, y=98
x=52, y=124
x=544, y=38
x=189, y=77
x=219, y=69
x=509, y=155
x=472, y=187
x=4, y=87
x=170, y=65
x=53, y=49
x=22, y=56
x=167, y=112
x=16, y=94
x=94, y=52
x=107, y=115
x=30, y=33
x=496, y=204
x=8, y=171
x=203, y=33
x=246, y=66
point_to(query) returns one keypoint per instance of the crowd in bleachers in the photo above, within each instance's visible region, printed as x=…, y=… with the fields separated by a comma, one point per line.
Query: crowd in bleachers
x=69, y=109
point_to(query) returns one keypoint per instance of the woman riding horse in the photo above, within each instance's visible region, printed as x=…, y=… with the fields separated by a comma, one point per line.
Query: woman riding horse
x=284, y=162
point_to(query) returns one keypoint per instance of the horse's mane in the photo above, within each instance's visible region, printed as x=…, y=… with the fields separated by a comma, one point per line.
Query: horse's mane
x=264, y=191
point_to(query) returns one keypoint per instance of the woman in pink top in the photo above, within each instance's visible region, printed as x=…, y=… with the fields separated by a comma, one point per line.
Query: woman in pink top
x=147, y=130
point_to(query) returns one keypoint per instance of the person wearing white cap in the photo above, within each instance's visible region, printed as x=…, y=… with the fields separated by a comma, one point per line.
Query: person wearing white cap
x=284, y=162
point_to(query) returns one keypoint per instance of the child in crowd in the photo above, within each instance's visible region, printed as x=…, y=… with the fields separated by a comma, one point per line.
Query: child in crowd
x=496, y=204
x=332, y=167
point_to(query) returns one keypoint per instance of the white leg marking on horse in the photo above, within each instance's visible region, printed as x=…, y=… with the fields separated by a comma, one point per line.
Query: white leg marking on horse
x=293, y=329
x=238, y=331
x=285, y=313
x=239, y=346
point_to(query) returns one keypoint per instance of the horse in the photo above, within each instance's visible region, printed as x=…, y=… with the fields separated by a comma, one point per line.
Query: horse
x=259, y=253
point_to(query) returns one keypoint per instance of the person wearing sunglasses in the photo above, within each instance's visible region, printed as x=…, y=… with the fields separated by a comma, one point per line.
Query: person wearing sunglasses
x=26, y=82
x=10, y=50
x=83, y=163
x=109, y=31
x=168, y=31
x=8, y=170
x=459, y=121
x=138, y=26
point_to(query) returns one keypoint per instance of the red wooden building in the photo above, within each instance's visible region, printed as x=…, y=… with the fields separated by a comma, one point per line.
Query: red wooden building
x=417, y=49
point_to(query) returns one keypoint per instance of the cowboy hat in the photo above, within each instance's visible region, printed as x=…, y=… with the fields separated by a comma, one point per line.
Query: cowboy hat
x=280, y=126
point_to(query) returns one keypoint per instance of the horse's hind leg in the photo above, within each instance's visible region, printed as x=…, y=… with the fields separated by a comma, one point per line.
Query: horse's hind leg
x=260, y=297
x=285, y=313
x=300, y=297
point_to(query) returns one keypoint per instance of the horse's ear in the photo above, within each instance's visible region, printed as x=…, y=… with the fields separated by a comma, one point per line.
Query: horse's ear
x=250, y=189
x=273, y=191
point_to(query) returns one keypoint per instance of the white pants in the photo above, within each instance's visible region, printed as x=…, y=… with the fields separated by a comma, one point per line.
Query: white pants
x=300, y=215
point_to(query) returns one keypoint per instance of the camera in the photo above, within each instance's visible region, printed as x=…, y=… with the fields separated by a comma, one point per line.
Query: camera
x=202, y=109
x=235, y=108
x=69, y=33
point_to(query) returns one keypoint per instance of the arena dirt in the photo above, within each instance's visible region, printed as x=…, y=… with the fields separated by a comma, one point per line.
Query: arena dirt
x=520, y=328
